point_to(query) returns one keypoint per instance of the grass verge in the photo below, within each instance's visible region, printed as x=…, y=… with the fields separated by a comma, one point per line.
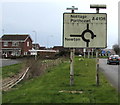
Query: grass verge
x=45, y=89
x=9, y=71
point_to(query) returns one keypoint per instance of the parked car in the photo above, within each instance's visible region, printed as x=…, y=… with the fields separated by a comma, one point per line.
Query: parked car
x=113, y=59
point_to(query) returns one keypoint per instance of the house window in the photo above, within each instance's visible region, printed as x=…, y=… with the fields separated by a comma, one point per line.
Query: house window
x=15, y=43
x=5, y=44
x=28, y=44
x=25, y=53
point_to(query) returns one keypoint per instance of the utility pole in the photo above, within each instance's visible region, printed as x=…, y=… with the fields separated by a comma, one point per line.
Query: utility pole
x=72, y=51
x=97, y=7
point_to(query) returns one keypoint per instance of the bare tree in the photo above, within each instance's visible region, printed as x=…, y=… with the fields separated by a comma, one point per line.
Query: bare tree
x=116, y=48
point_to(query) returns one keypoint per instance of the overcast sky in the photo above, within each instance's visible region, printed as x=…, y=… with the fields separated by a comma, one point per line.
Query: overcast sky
x=46, y=18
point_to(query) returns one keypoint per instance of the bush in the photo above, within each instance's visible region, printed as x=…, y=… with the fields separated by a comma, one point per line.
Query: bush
x=63, y=53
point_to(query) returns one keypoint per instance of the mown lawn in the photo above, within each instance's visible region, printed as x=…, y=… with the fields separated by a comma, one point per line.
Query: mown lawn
x=45, y=89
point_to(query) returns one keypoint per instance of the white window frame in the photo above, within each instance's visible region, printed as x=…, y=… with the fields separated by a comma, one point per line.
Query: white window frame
x=5, y=44
x=28, y=44
x=15, y=43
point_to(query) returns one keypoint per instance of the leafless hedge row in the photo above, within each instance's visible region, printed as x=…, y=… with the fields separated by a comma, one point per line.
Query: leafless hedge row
x=38, y=67
x=34, y=68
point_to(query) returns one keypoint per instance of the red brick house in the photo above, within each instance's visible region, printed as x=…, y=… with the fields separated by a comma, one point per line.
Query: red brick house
x=16, y=45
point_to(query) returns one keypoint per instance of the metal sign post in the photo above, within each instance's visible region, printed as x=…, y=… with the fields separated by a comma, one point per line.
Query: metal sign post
x=84, y=50
x=92, y=52
x=98, y=7
x=72, y=51
x=72, y=9
x=88, y=53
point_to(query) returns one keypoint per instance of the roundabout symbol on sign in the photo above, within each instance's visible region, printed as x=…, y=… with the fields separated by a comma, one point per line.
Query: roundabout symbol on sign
x=83, y=35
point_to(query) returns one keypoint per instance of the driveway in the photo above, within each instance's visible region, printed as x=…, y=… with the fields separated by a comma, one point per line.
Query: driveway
x=111, y=71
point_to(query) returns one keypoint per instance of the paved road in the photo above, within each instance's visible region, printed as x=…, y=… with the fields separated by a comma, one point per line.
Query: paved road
x=111, y=72
x=6, y=62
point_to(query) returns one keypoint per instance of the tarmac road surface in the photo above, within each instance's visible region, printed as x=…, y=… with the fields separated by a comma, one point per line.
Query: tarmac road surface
x=6, y=62
x=112, y=73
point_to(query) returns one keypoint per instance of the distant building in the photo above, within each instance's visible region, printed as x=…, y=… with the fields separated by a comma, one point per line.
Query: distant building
x=36, y=46
x=16, y=45
x=44, y=53
x=107, y=52
x=59, y=48
x=42, y=48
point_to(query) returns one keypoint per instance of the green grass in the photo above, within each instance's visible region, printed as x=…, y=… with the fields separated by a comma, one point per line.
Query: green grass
x=103, y=56
x=9, y=71
x=45, y=89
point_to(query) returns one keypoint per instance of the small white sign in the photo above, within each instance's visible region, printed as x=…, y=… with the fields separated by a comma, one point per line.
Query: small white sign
x=84, y=50
x=85, y=30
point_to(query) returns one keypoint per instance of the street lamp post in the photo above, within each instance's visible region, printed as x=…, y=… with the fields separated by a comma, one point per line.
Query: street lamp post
x=3, y=31
x=35, y=44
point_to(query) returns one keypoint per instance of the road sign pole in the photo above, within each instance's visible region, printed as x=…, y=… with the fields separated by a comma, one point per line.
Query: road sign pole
x=97, y=68
x=84, y=54
x=84, y=50
x=98, y=7
x=72, y=66
x=72, y=51
x=92, y=52
x=88, y=53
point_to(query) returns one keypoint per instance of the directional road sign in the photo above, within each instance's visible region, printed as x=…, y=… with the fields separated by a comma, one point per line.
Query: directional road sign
x=85, y=30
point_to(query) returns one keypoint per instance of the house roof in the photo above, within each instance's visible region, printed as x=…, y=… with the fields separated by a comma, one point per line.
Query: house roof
x=42, y=48
x=35, y=44
x=59, y=47
x=14, y=37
